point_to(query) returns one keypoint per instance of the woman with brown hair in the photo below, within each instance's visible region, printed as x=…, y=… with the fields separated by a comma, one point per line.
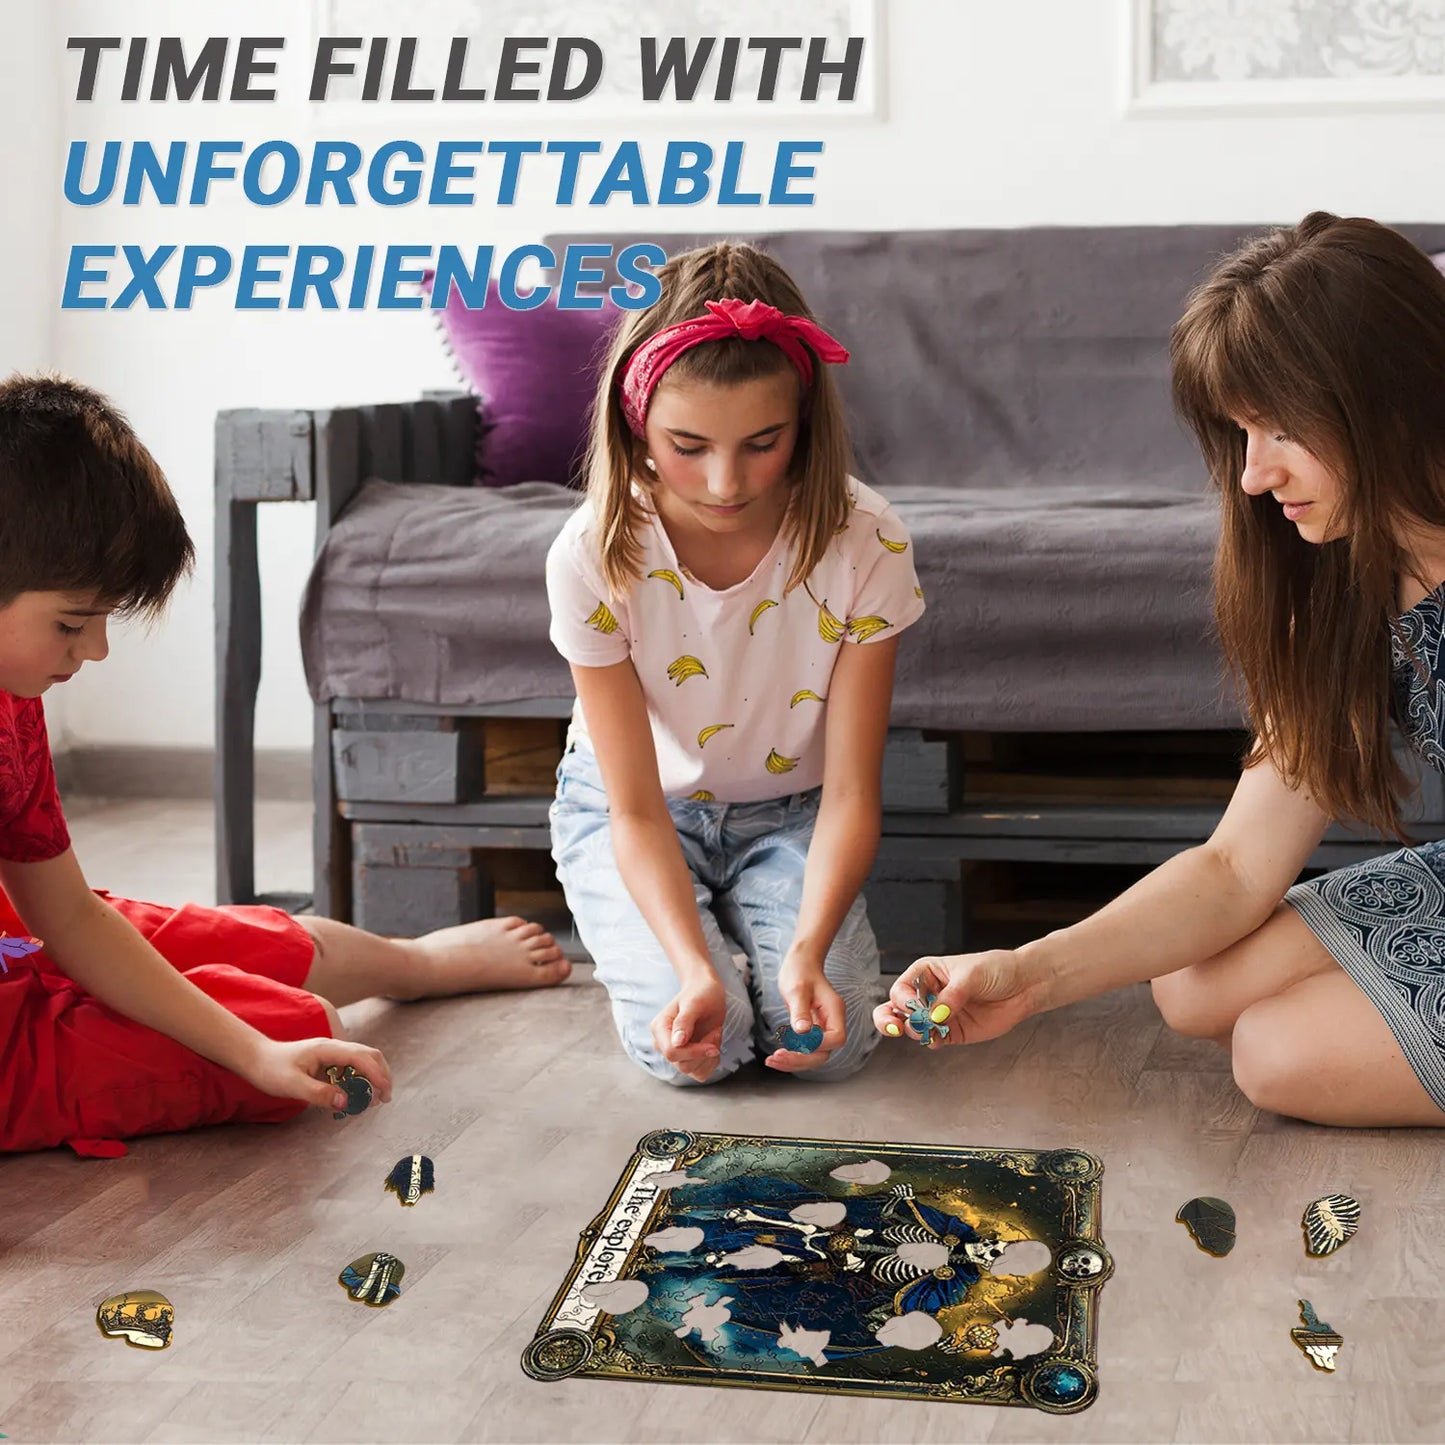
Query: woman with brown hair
x=1311, y=368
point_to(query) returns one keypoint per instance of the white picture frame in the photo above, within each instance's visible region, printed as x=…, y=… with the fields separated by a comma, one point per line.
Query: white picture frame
x=1146, y=95
x=436, y=22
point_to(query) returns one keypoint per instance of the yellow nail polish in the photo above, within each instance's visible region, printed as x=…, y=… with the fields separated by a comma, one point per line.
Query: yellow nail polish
x=892, y=1029
x=940, y=1013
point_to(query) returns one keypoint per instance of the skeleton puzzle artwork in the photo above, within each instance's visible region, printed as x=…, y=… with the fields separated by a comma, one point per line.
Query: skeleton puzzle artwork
x=841, y=1267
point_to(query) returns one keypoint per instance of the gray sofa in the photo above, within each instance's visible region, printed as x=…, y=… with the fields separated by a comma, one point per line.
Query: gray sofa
x=1008, y=392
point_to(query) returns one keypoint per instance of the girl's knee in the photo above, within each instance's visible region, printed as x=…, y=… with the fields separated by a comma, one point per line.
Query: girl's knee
x=855, y=970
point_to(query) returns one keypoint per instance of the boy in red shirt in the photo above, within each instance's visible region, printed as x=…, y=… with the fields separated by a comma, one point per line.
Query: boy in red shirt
x=134, y=1018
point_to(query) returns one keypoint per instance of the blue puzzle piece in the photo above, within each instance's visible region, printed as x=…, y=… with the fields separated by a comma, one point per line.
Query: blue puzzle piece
x=922, y=1024
x=804, y=1043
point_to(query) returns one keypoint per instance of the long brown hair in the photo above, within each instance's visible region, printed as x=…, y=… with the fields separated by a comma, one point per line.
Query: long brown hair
x=818, y=499
x=1332, y=331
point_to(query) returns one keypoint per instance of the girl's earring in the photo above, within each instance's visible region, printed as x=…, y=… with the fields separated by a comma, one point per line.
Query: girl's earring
x=651, y=465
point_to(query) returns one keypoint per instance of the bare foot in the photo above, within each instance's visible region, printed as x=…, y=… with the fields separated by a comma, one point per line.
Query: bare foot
x=483, y=957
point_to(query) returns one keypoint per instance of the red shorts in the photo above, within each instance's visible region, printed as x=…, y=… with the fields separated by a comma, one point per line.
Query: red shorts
x=73, y=1071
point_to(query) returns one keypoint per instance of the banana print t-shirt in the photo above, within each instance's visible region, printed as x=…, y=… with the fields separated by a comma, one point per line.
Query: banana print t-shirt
x=736, y=681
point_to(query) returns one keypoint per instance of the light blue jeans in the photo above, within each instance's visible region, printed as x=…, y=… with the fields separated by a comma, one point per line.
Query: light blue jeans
x=746, y=861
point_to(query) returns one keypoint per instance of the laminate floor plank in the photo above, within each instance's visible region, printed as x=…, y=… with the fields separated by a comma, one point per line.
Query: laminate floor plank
x=529, y=1110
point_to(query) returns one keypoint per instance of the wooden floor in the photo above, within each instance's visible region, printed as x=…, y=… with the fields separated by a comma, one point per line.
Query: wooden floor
x=529, y=1110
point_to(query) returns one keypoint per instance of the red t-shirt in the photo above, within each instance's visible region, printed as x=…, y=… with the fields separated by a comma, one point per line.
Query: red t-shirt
x=32, y=825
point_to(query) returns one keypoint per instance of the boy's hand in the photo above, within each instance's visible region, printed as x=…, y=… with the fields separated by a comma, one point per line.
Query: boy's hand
x=985, y=994
x=688, y=1032
x=810, y=999
x=289, y=1070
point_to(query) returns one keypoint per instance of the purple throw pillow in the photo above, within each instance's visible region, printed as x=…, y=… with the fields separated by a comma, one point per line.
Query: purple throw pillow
x=534, y=374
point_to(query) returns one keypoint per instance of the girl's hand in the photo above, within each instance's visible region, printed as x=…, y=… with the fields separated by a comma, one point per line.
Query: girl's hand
x=985, y=994
x=297, y=1070
x=688, y=1032
x=810, y=999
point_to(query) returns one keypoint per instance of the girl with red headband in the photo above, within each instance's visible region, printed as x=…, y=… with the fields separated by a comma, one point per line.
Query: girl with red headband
x=729, y=599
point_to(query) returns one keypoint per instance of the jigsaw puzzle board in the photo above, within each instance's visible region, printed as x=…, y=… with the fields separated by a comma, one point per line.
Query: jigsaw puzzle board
x=746, y=1280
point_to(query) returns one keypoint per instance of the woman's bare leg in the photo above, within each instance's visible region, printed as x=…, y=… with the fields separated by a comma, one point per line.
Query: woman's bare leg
x=1304, y=1039
x=1206, y=1000
x=492, y=954
x=1321, y=1051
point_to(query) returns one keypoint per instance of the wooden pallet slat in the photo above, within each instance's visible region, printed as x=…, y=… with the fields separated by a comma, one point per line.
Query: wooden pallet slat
x=920, y=773
x=409, y=901
x=264, y=456
x=443, y=439
x=421, y=808
x=384, y=446
x=416, y=766
x=436, y=760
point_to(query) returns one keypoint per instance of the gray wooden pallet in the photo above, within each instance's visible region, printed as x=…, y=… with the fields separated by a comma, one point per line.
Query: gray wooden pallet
x=404, y=824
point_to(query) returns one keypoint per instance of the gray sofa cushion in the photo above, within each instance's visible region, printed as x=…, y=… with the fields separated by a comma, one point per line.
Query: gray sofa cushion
x=1005, y=358
x=1008, y=392
x=1048, y=609
x=1059, y=609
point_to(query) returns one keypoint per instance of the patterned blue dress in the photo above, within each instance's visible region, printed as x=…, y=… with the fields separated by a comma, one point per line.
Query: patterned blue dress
x=1384, y=919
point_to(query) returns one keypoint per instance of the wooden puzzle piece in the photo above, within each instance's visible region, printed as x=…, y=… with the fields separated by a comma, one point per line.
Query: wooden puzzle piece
x=809, y=1238
x=1319, y=1341
x=140, y=1317
x=1330, y=1223
x=412, y=1177
x=1210, y=1223
x=807, y=1042
x=355, y=1086
x=374, y=1279
x=979, y=1337
x=926, y=1018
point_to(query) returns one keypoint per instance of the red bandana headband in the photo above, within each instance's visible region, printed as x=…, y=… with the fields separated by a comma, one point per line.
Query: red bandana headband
x=795, y=336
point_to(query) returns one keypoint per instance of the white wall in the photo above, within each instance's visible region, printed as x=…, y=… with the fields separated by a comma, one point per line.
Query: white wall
x=29, y=241
x=999, y=113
